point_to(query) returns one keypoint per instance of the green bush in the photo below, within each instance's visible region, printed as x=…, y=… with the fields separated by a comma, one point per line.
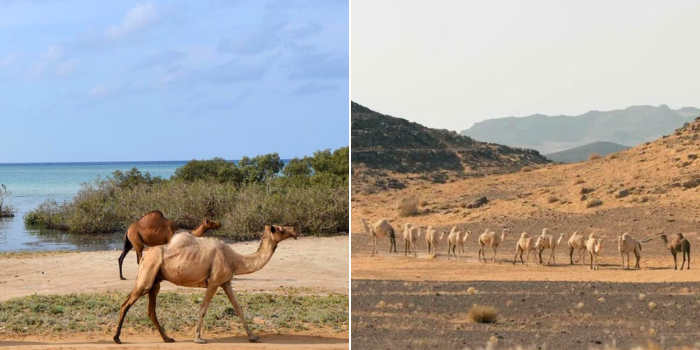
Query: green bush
x=315, y=203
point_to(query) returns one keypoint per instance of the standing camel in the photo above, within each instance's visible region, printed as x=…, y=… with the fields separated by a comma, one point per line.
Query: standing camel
x=679, y=244
x=154, y=229
x=209, y=263
x=492, y=240
x=432, y=239
x=546, y=241
x=626, y=244
x=413, y=235
x=381, y=229
x=525, y=244
x=407, y=239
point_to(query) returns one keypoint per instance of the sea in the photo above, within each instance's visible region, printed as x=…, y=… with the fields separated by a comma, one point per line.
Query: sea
x=31, y=184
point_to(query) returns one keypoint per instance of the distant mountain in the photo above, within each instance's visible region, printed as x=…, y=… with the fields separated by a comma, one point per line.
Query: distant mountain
x=582, y=153
x=387, y=146
x=547, y=134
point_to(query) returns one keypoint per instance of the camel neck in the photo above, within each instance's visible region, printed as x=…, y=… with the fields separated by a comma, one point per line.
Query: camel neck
x=199, y=230
x=256, y=261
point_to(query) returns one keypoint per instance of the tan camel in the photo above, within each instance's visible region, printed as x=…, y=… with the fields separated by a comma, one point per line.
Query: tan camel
x=547, y=241
x=679, y=244
x=455, y=240
x=432, y=240
x=201, y=262
x=594, y=245
x=492, y=240
x=154, y=229
x=413, y=234
x=525, y=244
x=626, y=245
x=577, y=242
x=381, y=229
x=406, y=239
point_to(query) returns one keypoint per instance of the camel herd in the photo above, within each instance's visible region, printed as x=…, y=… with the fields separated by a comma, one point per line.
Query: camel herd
x=187, y=259
x=526, y=244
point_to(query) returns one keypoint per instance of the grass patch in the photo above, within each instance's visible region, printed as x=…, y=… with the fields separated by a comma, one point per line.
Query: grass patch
x=483, y=314
x=99, y=312
x=594, y=156
x=408, y=207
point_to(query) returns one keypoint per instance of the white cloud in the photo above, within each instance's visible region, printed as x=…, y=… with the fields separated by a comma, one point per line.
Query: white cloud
x=10, y=59
x=99, y=91
x=140, y=17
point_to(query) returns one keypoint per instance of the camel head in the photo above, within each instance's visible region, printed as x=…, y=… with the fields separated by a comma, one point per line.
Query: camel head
x=664, y=237
x=279, y=233
x=211, y=224
x=598, y=245
x=679, y=235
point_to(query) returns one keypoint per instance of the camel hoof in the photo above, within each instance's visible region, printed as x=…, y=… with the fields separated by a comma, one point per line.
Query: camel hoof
x=200, y=341
x=122, y=278
x=253, y=338
x=116, y=339
x=168, y=340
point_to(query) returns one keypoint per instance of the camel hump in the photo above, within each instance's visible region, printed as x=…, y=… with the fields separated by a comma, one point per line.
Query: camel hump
x=155, y=213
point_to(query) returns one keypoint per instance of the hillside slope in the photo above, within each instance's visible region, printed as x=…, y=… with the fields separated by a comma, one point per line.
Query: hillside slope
x=548, y=134
x=581, y=153
x=648, y=189
x=387, y=151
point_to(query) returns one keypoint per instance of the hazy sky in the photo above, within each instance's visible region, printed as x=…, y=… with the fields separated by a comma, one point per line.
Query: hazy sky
x=98, y=80
x=448, y=64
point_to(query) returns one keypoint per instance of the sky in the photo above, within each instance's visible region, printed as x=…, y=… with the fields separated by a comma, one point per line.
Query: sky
x=449, y=64
x=99, y=80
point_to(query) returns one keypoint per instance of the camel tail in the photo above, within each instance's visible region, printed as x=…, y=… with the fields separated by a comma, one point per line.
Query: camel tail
x=640, y=246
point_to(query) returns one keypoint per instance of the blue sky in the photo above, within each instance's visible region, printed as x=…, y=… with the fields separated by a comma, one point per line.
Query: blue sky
x=105, y=80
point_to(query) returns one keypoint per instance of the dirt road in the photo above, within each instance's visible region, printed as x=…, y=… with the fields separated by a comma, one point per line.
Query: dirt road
x=318, y=263
x=296, y=342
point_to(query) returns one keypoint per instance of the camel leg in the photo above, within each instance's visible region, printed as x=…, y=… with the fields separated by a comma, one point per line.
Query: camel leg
x=229, y=292
x=683, y=265
x=152, y=296
x=622, y=256
x=638, y=256
x=571, y=255
x=428, y=248
x=675, y=261
x=688, y=252
x=145, y=280
x=493, y=258
x=127, y=248
x=211, y=290
x=515, y=258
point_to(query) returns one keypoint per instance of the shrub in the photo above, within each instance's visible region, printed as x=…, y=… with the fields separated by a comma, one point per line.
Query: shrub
x=594, y=203
x=552, y=199
x=526, y=169
x=594, y=156
x=483, y=314
x=408, y=207
x=5, y=210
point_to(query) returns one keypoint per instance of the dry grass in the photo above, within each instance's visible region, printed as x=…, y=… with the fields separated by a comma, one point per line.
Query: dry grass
x=594, y=203
x=594, y=156
x=552, y=199
x=579, y=181
x=408, y=207
x=483, y=314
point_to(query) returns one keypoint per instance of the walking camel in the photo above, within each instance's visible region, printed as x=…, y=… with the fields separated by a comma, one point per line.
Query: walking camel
x=546, y=241
x=626, y=244
x=577, y=242
x=432, y=239
x=202, y=262
x=411, y=235
x=679, y=244
x=492, y=240
x=381, y=229
x=154, y=229
x=594, y=245
x=525, y=244
x=456, y=239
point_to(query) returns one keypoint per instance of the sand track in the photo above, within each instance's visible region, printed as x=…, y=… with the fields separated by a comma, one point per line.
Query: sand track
x=317, y=263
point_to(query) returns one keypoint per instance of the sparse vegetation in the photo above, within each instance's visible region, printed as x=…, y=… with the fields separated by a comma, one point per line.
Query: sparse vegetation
x=594, y=156
x=243, y=198
x=44, y=314
x=552, y=199
x=408, y=207
x=594, y=203
x=6, y=211
x=483, y=314
x=526, y=169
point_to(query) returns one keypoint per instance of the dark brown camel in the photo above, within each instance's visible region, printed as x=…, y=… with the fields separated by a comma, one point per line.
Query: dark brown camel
x=154, y=229
x=679, y=244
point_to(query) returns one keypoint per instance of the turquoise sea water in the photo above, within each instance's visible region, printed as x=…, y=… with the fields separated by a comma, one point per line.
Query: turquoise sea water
x=31, y=184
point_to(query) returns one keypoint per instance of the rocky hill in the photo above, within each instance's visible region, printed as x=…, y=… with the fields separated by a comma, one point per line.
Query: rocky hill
x=581, y=153
x=548, y=134
x=389, y=152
